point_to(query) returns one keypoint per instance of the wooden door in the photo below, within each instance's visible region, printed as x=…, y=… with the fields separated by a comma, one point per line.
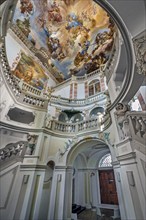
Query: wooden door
x=108, y=191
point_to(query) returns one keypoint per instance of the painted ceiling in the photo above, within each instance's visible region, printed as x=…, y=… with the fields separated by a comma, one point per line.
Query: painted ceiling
x=77, y=34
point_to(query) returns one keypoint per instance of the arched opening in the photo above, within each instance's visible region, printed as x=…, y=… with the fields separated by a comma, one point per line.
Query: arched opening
x=86, y=159
x=97, y=111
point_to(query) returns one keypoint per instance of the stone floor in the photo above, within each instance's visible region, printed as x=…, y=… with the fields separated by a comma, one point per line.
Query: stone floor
x=91, y=215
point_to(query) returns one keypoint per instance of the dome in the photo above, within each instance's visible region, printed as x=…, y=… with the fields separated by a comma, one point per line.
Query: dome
x=70, y=37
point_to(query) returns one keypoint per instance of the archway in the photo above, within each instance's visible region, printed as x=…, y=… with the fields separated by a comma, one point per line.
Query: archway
x=82, y=178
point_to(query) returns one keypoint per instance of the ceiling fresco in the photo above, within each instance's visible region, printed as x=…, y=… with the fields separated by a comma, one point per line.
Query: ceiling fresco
x=27, y=69
x=77, y=34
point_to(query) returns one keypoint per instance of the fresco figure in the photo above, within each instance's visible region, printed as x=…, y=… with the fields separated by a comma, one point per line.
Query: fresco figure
x=72, y=32
x=26, y=7
x=54, y=13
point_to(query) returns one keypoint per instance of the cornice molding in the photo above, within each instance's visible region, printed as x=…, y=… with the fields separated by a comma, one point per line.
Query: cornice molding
x=33, y=166
x=128, y=156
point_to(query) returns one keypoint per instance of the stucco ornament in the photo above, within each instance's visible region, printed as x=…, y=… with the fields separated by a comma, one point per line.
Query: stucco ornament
x=67, y=146
x=122, y=121
x=48, y=121
x=2, y=105
x=140, y=52
x=32, y=139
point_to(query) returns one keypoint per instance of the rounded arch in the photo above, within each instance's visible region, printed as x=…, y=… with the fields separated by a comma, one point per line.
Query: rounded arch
x=77, y=117
x=96, y=110
x=80, y=161
x=86, y=144
x=96, y=157
x=51, y=164
x=63, y=117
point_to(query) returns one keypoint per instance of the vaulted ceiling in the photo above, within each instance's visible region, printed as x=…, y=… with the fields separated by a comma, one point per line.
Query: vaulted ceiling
x=77, y=35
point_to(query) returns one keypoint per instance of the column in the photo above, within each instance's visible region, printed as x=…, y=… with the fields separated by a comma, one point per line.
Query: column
x=33, y=181
x=58, y=193
x=131, y=185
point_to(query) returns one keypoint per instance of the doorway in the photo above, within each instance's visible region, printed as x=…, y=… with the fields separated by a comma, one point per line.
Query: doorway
x=108, y=193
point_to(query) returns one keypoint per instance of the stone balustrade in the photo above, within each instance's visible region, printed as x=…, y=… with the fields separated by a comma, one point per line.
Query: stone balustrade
x=82, y=127
x=13, y=151
x=34, y=101
x=137, y=126
x=28, y=88
x=131, y=123
x=20, y=89
x=77, y=102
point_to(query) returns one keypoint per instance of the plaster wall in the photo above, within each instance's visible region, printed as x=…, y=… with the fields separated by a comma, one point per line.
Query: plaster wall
x=8, y=103
x=143, y=92
x=10, y=186
x=63, y=92
x=81, y=91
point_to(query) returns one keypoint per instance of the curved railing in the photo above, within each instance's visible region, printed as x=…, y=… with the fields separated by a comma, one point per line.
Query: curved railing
x=27, y=94
x=80, y=128
x=78, y=102
x=13, y=151
x=19, y=91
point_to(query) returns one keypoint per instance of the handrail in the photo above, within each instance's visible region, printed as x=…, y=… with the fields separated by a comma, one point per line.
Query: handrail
x=137, y=126
x=27, y=94
x=132, y=124
x=81, y=127
x=13, y=82
x=77, y=102
x=13, y=151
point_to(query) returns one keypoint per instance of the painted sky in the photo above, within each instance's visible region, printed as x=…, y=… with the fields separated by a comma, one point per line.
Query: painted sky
x=75, y=33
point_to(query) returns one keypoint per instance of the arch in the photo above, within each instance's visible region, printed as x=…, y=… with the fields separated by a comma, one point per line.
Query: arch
x=90, y=143
x=96, y=111
x=51, y=164
x=80, y=161
x=77, y=117
x=105, y=161
x=63, y=117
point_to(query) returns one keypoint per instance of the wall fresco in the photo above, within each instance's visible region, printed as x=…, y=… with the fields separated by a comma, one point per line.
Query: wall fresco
x=27, y=69
x=77, y=34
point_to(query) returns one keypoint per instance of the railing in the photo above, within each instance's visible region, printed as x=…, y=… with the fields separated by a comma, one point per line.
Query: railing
x=93, y=124
x=137, y=126
x=28, y=88
x=132, y=124
x=78, y=102
x=15, y=85
x=13, y=151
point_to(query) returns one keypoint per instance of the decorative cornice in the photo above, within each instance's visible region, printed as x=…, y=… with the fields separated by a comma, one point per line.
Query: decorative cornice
x=128, y=156
x=33, y=166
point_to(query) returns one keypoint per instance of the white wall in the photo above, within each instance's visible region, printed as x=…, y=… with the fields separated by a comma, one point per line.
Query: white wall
x=143, y=92
x=81, y=91
x=63, y=92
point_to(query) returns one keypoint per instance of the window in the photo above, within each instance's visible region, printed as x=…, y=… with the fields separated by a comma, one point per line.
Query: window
x=106, y=161
x=94, y=87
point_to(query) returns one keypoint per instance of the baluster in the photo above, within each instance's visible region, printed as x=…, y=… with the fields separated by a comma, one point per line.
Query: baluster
x=138, y=125
x=143, y=126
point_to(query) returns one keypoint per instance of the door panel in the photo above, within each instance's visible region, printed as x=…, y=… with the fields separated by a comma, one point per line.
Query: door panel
x=108, y=191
